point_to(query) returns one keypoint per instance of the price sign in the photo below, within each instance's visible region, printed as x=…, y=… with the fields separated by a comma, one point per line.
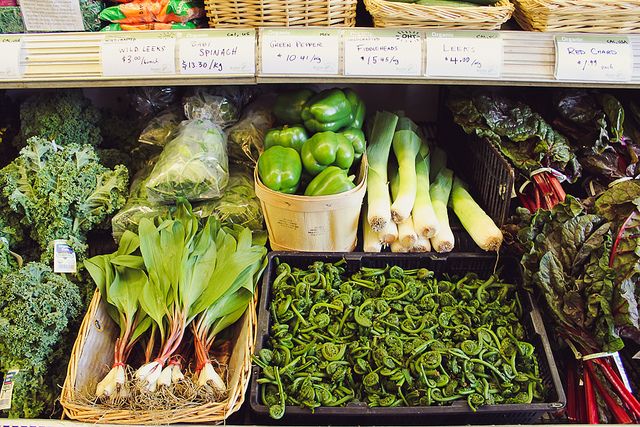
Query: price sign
x=300, y=51
x=464, y=54
x=594, y=58
x=208, y=52
x=11, y=48
x=139, y=55
x=383, y=53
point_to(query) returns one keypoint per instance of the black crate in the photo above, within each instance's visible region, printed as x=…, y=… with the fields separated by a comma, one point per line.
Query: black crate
x=457, y=413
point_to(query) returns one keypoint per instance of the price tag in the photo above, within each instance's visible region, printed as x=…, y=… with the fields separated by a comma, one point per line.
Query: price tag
x=300, y=51
x=208, y=52
x=594, y=58
x=139, y=54
x=11, y=48
x=383, y=53
x=470, y=54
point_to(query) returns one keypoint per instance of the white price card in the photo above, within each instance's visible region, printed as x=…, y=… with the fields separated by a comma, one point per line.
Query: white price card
x=383, y=53
x=11, y=50
x=466, y=54
x=143, y=54
x=594, y=58
x=52, y=15
x=226, y=52
x=300, y=51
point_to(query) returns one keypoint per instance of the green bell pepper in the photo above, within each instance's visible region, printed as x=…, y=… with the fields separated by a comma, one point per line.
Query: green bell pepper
x=329, y=110
x=326, y=149
x=286, y=136
x=357, y=139
x=288, y=106
x=358, y=108
x=332, y=180
x=280, y=169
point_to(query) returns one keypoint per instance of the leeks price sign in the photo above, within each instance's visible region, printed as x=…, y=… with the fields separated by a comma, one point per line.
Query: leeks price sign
x=466, y=54
x=143, y=54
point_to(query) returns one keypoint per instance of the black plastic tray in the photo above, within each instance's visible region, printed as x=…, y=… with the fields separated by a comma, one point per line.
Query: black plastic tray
x=457, y=413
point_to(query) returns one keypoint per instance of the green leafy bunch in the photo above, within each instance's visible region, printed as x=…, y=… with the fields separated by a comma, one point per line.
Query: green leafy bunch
x=62, y=191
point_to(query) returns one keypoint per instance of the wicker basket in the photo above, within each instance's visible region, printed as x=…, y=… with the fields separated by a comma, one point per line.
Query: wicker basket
x=594, y=16
x=281, y=13
x=93, y=355
x=398, y=14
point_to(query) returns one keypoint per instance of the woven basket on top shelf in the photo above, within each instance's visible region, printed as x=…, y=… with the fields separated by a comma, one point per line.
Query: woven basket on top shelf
x=397, y=14
x=281, y=13
x=594, y=16
x=92, y=357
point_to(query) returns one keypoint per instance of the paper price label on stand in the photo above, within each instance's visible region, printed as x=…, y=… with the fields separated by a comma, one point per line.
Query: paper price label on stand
x=383, y=53
x=594, y=58
x=467, y=54
x=300, y=51
x=227, y=52
x=11, y=48
x=138, y=55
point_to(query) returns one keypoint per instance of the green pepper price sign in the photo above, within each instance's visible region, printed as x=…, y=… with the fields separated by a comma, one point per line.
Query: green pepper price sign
x=300, y=51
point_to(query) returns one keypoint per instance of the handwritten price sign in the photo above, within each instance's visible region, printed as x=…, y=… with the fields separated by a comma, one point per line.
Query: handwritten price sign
x=211, y=52
x=138, y=55
x=464, y=54
x=11, y=48
x=300, y=51
x=594, y=58
x=383, y=53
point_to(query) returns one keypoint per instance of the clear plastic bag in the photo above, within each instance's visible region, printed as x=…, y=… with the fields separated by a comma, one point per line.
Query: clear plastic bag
x=246, y=138
x=220, y=110
x=194, y=165
x=149, y=101
x=161, y=128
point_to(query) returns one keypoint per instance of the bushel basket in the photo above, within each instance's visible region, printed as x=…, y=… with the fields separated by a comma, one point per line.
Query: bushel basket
x=594, y=16
x=92, y=357
x=281, y=13
x=397, y=14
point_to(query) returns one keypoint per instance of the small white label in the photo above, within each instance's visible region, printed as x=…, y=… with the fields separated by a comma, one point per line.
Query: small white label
x=594, y=58
x=11, y=48
x=64, y=258
x=383, y=53
x=227, y=52
x=637, y=356
x=467, y=54
x=300, y=51
x=6, y=392
x=52, y=15
x=138, y=55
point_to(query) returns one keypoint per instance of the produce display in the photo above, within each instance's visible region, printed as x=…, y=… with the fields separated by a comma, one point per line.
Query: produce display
x=393, y=337
x=319, y=131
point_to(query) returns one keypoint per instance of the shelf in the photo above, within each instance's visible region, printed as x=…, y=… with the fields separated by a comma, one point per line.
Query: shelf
x=74, y=60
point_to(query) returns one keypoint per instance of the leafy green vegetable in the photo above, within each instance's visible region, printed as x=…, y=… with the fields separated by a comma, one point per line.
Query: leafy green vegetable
x=65, y=117
x=62, y=191
x=37, y=308
x=520, y=133
x=393, y=337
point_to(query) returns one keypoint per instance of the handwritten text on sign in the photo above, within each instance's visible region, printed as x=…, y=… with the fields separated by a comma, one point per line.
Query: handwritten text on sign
x=139, y=55
x=594, y=58
x=383, y=53
x=217, y=52
x=10, y=46
x=464, y=54
x=300, y=51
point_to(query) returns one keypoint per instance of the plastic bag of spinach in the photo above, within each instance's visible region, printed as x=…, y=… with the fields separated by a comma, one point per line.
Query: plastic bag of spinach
x=194, y=165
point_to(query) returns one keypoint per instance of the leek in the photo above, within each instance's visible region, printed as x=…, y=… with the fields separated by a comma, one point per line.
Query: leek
x=389, y=234
x=371, y=241
x=438, y=159
x=425, y=222
x=439, y=192
x=478, y=224
x=406, y=233
x=380, y=139
x=406, y=144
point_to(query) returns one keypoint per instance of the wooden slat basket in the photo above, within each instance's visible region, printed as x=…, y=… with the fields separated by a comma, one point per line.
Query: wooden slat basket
x=397, y=14
x=281, y=13
x=593, y=16
x=92, y=358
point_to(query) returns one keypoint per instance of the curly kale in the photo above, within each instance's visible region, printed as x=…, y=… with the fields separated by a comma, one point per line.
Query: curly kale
x=62, y=191
x=37, y=309
x=66, y=117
